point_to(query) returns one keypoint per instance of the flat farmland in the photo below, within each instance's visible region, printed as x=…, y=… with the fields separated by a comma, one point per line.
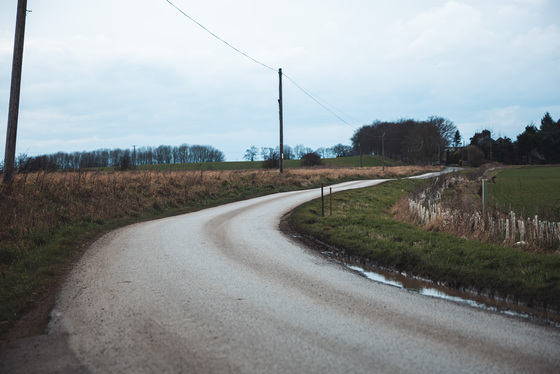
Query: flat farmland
x=528, y=191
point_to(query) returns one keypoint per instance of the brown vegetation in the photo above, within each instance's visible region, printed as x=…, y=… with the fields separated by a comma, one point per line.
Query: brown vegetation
x=48, y=216
x=453, y=204
x=39, y=203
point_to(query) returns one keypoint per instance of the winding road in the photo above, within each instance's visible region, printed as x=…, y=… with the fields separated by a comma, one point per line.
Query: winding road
x=224, y=291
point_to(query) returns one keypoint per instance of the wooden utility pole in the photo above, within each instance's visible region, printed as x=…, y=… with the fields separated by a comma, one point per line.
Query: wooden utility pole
x=360, y=147
x=383, y=151
x=281, y=155
x=10, y=155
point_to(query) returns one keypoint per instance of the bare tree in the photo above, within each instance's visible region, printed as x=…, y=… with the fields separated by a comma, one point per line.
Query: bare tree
x=299, y=151
x=251, y=153
x=288, y=152
x=183, y=153
x=341, y=150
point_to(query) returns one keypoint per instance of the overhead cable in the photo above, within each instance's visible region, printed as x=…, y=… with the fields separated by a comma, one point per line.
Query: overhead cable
x=317, y=98
x=311, y=96
x=217, y=37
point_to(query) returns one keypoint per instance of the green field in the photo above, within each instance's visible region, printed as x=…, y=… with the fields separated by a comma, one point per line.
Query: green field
x=367, y=161
x=528, y=191
x=362, y=227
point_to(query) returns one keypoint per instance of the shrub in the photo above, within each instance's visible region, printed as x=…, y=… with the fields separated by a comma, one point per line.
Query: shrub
x=311, y=159
x=475, y=156
x=272, y=161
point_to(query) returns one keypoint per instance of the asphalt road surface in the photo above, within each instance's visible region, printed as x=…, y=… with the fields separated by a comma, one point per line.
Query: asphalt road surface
x=224, y=291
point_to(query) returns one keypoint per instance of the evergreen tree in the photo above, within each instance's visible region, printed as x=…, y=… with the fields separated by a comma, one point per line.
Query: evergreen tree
x=456, y=139
x=527, y=144
x=550, y=139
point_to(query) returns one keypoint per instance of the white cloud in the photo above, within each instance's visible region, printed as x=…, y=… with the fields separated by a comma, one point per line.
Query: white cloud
x=533, y=3
x=439, y=33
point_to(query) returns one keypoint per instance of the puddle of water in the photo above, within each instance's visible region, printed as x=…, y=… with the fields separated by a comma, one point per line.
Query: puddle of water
x=426, y=288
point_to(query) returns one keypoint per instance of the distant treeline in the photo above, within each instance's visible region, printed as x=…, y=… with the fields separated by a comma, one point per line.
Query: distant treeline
x=533, y=146
x=408, y=140
x=121, y=158
x=297, y=152
x=438, y=140
x=435, y=140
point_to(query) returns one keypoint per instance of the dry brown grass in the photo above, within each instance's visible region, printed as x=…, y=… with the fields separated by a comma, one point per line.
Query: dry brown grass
x=40, y=203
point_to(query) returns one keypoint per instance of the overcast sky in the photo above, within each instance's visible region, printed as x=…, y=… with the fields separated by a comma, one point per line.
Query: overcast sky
x=117, y=73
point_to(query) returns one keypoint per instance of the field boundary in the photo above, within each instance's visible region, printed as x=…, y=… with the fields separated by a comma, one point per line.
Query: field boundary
x=434, y=209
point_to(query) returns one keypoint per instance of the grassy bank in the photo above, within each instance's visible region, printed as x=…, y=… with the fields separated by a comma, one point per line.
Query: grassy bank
x=453, y=203
x=47, y=217
x=363, y=227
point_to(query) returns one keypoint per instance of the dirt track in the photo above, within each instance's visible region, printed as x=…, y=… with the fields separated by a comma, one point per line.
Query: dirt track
x=223, y=290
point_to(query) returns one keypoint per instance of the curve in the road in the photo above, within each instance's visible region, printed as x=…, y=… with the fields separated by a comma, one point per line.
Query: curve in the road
x=223, y=290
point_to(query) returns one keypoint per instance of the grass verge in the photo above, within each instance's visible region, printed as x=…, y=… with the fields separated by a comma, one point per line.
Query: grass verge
x=363, y=228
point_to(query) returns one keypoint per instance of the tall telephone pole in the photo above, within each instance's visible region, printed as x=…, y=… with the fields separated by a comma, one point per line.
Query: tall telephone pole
x=281, y=151
x=10, y=155
x=383, y=151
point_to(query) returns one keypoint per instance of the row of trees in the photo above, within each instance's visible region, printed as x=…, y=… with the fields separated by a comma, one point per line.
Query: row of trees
x=122, y=158
x=437, y=140
x=433, y=140
x=407, y=140
x=297, y=152
x=534, y=145
x=164, y=154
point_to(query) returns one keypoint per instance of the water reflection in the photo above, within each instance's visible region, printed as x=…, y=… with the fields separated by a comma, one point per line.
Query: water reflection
x=427, y=288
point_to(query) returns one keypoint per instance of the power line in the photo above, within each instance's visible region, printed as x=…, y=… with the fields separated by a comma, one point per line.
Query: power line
x=317, y=98
x=313, y=97
x=217, y=37
x=335, y=108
